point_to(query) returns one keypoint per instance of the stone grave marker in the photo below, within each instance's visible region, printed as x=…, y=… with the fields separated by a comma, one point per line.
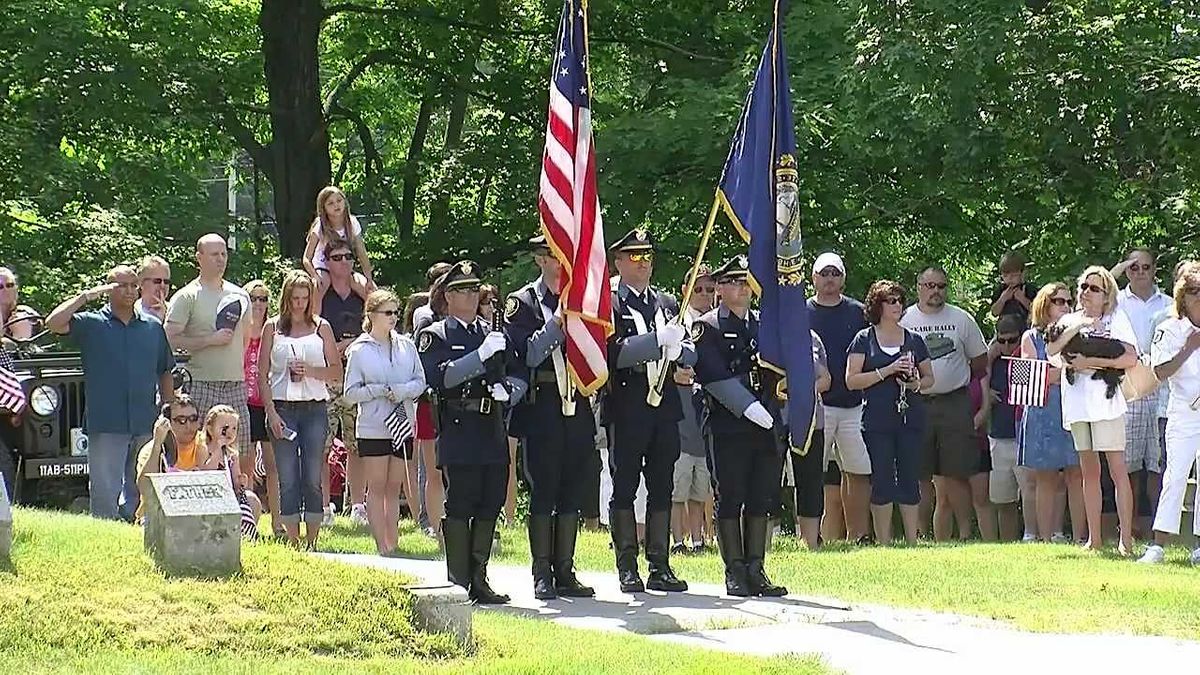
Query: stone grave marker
x=5, y=523
x=193, y=523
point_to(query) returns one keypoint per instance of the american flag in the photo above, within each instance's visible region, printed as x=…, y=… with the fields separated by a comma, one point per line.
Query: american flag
x=12, y=396
x=1027, y=382
x=400, y=426
x=570, y=207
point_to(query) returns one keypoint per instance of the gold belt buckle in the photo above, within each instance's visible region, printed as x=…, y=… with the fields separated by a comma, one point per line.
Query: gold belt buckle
x=485, y=406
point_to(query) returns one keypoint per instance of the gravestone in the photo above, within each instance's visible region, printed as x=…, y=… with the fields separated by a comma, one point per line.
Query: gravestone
x=5, y=523
x=193, y=523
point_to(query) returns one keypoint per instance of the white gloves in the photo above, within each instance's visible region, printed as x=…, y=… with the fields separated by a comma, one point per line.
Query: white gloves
x=499, y=393
x=670, y=336
x=672, y=353
x=755, y=412
x=494, y=343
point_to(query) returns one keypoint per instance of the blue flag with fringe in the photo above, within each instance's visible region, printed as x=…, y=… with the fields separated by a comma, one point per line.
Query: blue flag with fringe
x=759, y=192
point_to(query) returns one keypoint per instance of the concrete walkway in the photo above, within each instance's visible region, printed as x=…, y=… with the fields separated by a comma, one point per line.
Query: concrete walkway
x=854, y=638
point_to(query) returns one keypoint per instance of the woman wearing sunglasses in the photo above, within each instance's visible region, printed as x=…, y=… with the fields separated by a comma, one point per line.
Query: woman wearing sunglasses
x=260, y=301
x=889, y=364
x=384, y=377
x=1096, y=421
x=1046, y=447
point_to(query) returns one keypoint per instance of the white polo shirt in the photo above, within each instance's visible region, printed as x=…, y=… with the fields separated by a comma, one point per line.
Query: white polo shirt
x=1141, y=313
x=1185, y=383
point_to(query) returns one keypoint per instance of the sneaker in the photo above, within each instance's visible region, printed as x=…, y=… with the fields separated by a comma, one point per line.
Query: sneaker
x=327, y=519
x=1154, y=554
x=1195, y=559
x=1029, y=536
x=700, y=549
x=679, y=549
x=1059, y=538
x=358, y=514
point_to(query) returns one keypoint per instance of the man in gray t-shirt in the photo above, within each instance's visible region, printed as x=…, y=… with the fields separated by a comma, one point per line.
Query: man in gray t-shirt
x=692, y=481
x=956, y=348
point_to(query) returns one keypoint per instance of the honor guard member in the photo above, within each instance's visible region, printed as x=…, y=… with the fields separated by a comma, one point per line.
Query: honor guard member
x=745, y=435
x=473, y=375
x=643, y=433
x=558, y=428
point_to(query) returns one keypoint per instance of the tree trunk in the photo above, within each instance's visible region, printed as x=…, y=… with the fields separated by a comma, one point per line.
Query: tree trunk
x=412, y=164
x=299, y=148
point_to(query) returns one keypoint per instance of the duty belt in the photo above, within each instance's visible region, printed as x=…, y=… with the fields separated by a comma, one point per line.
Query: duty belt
x=544, y=377
x=483, y=406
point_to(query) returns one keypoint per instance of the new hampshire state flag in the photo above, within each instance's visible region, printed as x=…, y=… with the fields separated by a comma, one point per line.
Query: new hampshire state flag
x=759, y=193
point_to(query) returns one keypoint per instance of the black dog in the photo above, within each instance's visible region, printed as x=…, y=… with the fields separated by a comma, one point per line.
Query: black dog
x=1095, y=347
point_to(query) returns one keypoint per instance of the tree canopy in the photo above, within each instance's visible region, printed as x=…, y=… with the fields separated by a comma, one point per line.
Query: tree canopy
x=929, y=132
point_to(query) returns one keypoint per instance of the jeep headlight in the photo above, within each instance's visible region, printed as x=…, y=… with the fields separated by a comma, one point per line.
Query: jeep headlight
x=44, y=400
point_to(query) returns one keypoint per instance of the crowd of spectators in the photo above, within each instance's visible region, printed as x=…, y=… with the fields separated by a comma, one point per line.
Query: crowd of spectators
x=914, y=409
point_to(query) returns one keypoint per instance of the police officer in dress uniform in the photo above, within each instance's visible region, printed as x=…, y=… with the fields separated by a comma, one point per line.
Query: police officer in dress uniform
x=558, y=428
x=643, y=438
x=473, y=375
x=746, y=441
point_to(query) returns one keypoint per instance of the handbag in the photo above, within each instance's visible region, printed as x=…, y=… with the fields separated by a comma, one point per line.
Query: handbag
x=1139, y=381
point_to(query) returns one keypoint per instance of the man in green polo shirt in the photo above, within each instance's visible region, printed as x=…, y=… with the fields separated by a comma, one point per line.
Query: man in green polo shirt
x=126, y=362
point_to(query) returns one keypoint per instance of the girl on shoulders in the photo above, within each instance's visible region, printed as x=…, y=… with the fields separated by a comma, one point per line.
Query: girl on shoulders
x=335, y=223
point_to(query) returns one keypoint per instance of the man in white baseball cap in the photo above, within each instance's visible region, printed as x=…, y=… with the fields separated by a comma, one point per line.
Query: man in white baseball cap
x=837, y=319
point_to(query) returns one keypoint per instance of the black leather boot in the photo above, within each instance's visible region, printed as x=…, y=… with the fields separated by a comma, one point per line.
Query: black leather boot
x=729, y=538
x=754, y=533
x=566, y=527
x=625, y=546
x=480, y=592
x=658, y=550
x=541, y=548
x=457, y=536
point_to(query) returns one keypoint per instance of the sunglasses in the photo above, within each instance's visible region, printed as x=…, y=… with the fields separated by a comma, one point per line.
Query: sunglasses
x=641, y=257
x=260, y=298
x=894, y=300
x=387, y=312
x=1008, y=340
x=185, y=419
x=1085, y=287
x=830, y=273
x=340, y=257
x=466, y=289
x=156, y=281
x=704, y=289
x=934, y=286
x=1061, y=302
x=1140, y=268
x=8, y=284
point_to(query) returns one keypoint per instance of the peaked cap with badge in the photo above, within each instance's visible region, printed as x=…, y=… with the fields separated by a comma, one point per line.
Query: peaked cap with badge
x=737, y=267
x=637, y=239
x=463, y=273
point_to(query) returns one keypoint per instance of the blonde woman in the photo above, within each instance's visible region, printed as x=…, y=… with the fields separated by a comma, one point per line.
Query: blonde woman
x=16, y=320
x=299, y=347
x=1096, y=420
x=1175, y=359
x=1046, y=447
x=335, y=224
x=217, y=443
x=260, y=301
x=383, y=371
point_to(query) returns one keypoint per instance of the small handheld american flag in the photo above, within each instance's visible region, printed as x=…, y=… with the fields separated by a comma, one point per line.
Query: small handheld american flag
x=12, y=396
x=400, y=426
x=1028, y=381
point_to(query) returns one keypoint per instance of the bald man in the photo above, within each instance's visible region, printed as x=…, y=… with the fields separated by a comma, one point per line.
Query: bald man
x=208, y=319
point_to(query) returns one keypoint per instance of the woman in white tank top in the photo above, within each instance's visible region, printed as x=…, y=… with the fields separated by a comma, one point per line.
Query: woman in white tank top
x=301, y=357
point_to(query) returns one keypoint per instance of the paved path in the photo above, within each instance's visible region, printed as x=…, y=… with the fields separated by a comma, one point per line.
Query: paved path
x=856, y=638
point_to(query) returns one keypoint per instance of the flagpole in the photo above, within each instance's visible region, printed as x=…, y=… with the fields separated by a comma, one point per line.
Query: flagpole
x=654, y=396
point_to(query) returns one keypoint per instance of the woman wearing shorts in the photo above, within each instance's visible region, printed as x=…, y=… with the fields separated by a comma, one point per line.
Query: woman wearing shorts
x=260, y=300
x=1096, y=420
x=383, y=372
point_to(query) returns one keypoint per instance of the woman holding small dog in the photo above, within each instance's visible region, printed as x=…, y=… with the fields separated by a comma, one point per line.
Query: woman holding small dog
x=1091, y=410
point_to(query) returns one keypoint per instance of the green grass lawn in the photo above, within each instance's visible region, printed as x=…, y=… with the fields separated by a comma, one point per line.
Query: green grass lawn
x=81, y=596
x=1043, y=587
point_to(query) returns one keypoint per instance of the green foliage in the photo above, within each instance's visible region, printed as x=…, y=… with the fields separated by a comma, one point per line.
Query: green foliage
x=934, y=132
